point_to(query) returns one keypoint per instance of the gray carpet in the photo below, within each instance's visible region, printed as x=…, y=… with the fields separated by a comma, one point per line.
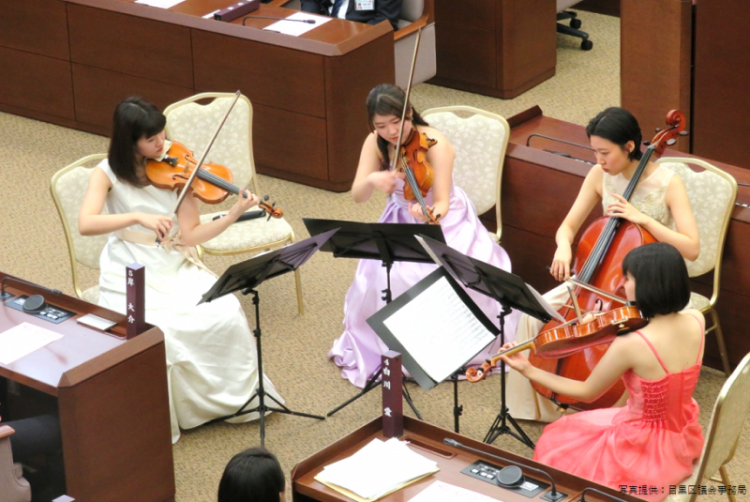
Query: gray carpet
x=33, y=247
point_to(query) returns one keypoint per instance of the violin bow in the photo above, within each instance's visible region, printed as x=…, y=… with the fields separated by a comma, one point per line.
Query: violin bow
x=189, y=182
x=407, y=170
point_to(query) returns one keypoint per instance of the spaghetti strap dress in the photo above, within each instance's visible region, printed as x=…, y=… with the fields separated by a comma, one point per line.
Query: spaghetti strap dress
x=358, y=350
x=649, y=198
x=652, y=441
x=211, y=357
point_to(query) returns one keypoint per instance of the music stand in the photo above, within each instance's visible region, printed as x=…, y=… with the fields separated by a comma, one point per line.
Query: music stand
x=247, y=276
x=507, y=289
x=387, y=242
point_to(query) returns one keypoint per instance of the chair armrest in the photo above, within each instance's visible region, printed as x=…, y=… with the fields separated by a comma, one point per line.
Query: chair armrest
x=427, y=17
x=6, y=431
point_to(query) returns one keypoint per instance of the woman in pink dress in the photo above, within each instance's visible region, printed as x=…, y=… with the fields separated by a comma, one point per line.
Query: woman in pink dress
x=357, y=351
x=654, y=439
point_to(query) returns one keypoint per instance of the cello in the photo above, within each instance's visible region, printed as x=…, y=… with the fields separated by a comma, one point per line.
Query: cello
x=598, y=260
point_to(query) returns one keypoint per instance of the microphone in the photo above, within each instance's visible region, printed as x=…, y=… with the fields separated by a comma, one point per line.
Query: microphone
x=591, y=489
x=34, y=303
x=554, y=495
x=308, y=21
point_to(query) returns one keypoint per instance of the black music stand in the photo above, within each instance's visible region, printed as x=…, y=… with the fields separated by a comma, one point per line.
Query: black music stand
x=247, y=276
x=507, y=289
x=387, y=242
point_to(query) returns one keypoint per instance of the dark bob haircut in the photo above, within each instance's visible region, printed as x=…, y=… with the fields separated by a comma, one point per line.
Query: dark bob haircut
x=662, y=285
x=618, y=126
x=254, y=475
x=388, y=99
x=134, y=119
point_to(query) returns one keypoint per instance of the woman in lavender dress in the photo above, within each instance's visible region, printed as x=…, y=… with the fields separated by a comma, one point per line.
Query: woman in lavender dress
x=357, y=351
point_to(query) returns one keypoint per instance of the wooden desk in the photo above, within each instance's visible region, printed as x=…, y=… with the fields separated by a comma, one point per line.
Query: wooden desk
x=499, y=48
x=306, y=489
x=539, y=188
x=74, y=60
x=112, y=400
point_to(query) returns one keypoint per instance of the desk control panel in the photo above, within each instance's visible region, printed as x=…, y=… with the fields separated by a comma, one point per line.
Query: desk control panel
x=48, y=312
x=489, y=473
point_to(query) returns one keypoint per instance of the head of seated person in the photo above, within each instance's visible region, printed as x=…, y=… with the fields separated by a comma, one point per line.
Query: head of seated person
x=253, y=475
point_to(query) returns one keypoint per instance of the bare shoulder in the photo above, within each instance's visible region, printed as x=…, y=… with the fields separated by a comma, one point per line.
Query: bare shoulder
x=697, y=315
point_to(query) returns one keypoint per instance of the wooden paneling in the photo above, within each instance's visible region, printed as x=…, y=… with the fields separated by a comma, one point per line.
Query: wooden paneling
x=607, y=7
x=268, y=75
x=468, y=52
x=721, y=101
x=98, y=91
x=130, y=45
x=474, y=13
x=37, y=83
x=286, y=142
x=39, y=27
x=656, y=44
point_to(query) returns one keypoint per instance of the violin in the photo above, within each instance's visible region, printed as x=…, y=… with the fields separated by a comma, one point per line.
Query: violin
x=598, y=260
x=213, y=182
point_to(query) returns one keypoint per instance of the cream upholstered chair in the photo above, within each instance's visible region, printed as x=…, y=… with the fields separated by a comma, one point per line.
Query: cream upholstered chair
x=193, y=124
x=68, y=187
x=13, y=486
x=480, y=140
x=712, y=193
x=730, y=411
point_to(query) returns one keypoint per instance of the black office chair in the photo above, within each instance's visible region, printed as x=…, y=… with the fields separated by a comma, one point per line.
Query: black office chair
x=575, y=23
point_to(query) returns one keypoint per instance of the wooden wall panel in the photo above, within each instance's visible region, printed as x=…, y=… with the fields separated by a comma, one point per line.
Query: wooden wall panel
x=39, y=27
x=130, y=45
x=268, y=75
x=722, y=78
x=98, y=91
x=468, y=52
x=655, y=65
x=38, y=83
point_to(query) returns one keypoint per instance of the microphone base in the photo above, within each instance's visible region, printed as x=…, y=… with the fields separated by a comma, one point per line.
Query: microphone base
x=558, y=496
x=529, y=487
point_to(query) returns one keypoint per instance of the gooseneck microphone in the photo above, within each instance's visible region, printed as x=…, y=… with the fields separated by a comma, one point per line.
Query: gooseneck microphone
x=554, y=495
x=34, y=303
x=308, y=21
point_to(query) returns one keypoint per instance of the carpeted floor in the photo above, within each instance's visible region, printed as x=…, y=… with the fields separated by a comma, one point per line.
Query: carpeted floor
x=33, y=247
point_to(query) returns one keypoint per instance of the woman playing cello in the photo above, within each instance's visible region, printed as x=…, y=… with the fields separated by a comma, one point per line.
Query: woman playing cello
x=659, y=205
x=357, y=351
x=653, y=440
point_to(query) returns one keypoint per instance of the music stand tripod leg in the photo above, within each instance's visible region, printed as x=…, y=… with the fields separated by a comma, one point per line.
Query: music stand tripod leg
x=499, y=426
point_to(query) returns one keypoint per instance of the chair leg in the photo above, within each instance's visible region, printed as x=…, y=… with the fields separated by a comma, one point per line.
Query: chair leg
x=720, y=340
x=298, y=285
x=725, y=480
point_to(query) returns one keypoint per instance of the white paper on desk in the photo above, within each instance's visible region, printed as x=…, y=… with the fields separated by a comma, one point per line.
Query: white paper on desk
x=444, y=492
x=296, y=29
x=377, y=468
x=23, y=339
x=439, y=330
x=162, y=4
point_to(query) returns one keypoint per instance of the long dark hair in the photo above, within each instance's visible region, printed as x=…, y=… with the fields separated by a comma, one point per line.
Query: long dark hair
x=662, y=285
x=254, y=474
x=618, y=126
x=134, y=119
x=388, y=99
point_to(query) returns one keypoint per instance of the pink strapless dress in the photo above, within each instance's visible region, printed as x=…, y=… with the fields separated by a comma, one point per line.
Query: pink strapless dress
x=651, y=442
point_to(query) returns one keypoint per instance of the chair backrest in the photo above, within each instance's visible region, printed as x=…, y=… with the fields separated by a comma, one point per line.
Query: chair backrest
x=13, y=487
x=193, y=124
x=68, y=187
x=728, y=417
x=411, y=10
x=480, y=139
x=712, y=193
x=564, y=4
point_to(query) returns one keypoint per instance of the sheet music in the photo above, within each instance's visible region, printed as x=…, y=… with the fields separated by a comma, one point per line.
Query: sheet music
x=444, y=492
x=296, y=29
x=547, y=307
x=162, y=4
x=439, y=330
x=23, y=339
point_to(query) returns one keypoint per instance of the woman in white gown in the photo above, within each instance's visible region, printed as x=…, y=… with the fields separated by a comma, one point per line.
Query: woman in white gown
x=211, y=358
x=659, y=204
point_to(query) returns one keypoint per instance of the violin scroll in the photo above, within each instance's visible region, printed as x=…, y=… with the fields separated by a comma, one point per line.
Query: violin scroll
x=270, y=208
x=475, y=375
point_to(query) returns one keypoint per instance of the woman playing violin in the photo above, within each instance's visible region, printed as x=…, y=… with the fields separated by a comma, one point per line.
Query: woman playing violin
x=211, y=361
x=654, y=440
x=358, y=350
x=659, y=204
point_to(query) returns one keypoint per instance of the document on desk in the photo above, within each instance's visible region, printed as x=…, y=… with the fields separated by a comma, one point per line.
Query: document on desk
x=377, y=469
x=162, y=4
x=22, y=340
x=295, y=28
x=444, y=492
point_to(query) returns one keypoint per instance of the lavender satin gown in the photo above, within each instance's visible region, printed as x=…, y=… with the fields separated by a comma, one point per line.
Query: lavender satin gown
x=357, y=351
